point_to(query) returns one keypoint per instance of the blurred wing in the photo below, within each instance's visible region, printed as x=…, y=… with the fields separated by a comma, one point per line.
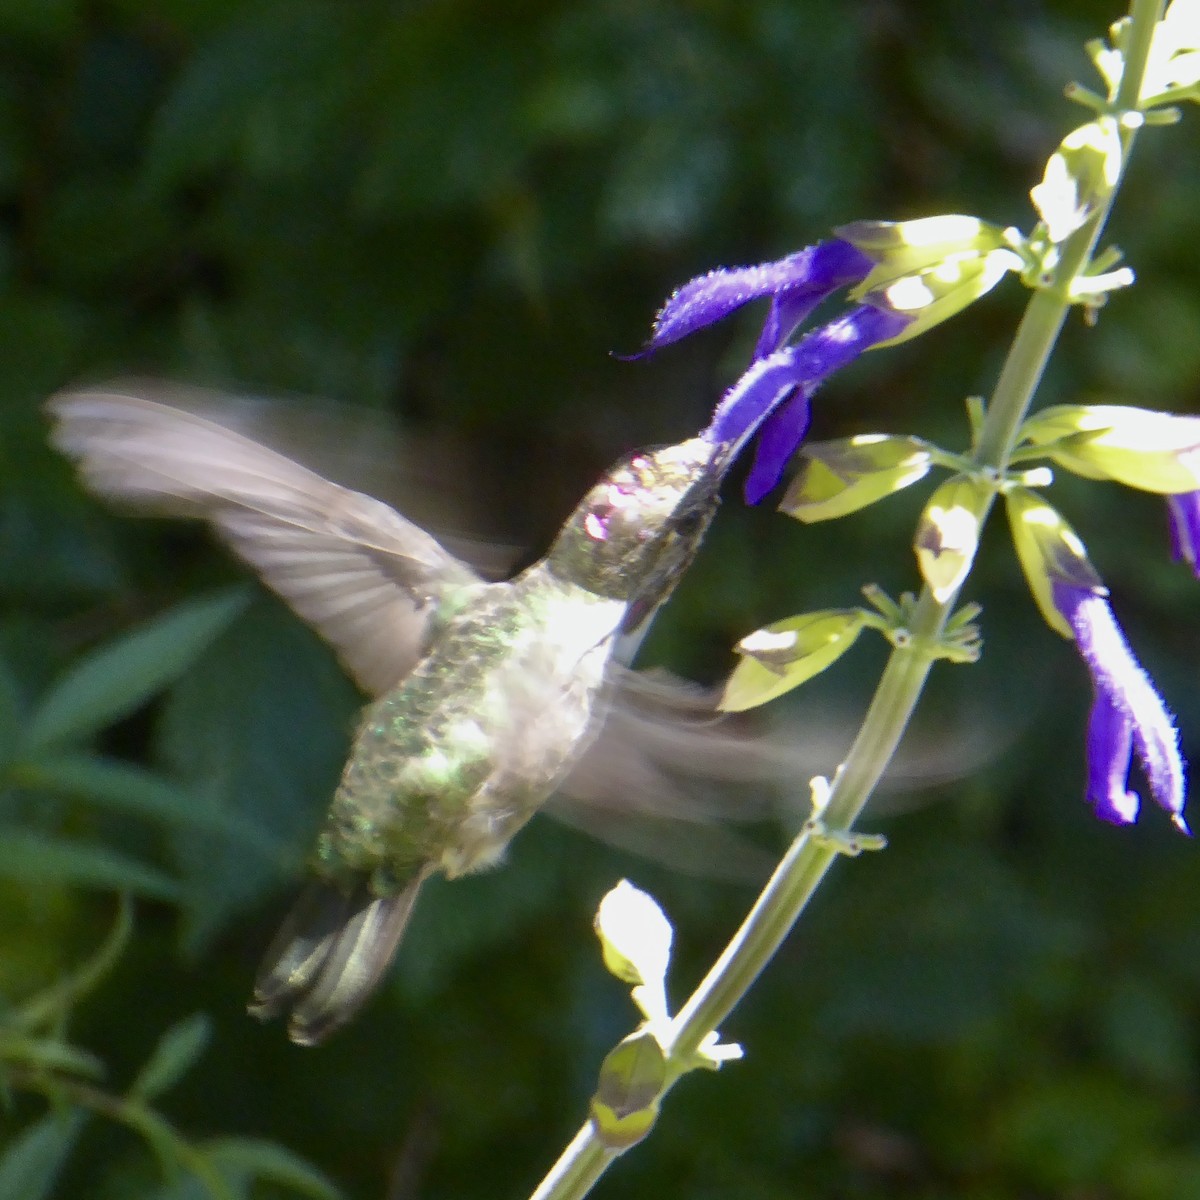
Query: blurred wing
x=364, y=577
x=667, y=774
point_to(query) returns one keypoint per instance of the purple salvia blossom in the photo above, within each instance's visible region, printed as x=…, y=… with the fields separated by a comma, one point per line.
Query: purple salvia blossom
x=1127, y=716
x=775, y=391
x=796, y=285
x=772, y=397
x=1183, y=512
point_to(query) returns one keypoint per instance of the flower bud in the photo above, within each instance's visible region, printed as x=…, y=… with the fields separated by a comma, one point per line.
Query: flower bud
x=1079, y=177
x=948, y=534
x=1050, y=553
x=842, y=476
x=787, y=653
x=930, y=269
x=1152, y=451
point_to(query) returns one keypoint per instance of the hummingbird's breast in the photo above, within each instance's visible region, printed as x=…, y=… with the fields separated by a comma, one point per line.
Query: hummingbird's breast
x=449, y=765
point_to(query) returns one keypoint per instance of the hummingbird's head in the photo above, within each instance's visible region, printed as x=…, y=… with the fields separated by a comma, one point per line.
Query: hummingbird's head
x=636, y=531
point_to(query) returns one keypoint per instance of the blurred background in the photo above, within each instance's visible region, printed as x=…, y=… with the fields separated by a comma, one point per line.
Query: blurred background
x=442, y=219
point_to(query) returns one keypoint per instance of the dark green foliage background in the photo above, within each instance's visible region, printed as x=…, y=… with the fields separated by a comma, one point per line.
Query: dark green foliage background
x=451, y=213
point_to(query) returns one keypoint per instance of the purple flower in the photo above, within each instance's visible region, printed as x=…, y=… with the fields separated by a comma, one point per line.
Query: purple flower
x=772, y=397
x=796, y=285
x=1183, y=512
x=1127, y=715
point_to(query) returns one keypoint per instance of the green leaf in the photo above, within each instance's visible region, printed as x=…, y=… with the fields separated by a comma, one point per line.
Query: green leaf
x=173, y=1057
x=635, y=938
x=117, y=678
x=131, y=789
x=35, y=858
x=173, y=1152
x=634, y=934
x=49, y=1054
x=33, y=1160
x=1079, y=177
x=259, y=727
x=269, y=1161
x=903, y=247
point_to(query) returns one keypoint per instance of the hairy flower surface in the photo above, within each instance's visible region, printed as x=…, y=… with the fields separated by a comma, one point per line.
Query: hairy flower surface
x=1127, y=716
x=772, y=397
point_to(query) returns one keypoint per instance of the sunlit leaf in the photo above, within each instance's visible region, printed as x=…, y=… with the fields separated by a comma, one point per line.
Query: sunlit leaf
x=783, y=655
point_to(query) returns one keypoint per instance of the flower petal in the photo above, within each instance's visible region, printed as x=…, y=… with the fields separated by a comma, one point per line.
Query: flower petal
x=772, y=380
x=778, y=438
x=1109, y=755
x=1124, y=686
x=797, y=284
x=1183, y=513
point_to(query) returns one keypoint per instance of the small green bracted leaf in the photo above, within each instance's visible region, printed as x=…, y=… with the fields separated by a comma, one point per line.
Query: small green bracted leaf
x=1047, y=546
x=787, y=653
x=632, y=1078
x=173, y=1057
x=842, y=476
x=947, y=534
x=112, y=681
x=1152, y=451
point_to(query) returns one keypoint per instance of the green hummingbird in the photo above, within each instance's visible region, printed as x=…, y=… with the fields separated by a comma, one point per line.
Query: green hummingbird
x=488, y=695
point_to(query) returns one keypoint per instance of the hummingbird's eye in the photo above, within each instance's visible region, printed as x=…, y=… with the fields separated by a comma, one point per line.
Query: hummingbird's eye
x=595, y=524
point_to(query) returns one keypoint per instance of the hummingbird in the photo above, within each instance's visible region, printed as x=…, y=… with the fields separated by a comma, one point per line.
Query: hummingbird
x=486, y=695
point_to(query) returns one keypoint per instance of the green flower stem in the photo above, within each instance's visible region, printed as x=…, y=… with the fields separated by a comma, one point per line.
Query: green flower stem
x=578, y=1167
x=810, y=856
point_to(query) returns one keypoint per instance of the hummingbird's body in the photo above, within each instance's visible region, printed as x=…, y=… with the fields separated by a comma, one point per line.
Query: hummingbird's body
x=447, y=766
x=488, y=693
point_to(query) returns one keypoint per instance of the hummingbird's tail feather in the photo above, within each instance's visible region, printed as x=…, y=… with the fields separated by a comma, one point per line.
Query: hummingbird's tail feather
x=329, y=956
